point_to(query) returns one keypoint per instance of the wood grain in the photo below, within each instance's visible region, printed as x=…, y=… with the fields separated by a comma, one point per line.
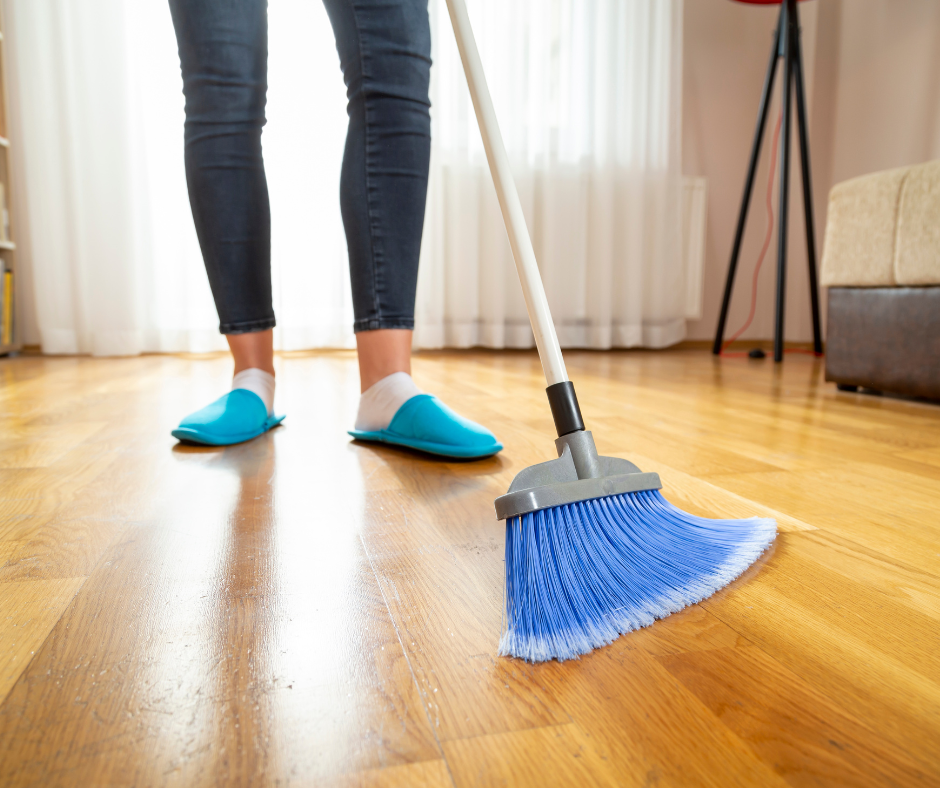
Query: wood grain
x=422, y=774
x=805, y=735
x=304, y=609
x=561, y=755
x=30, y=611
x=647, y=724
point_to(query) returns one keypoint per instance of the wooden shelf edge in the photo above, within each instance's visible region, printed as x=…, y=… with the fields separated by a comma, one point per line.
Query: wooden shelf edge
x=7, y=245
x=4, y=142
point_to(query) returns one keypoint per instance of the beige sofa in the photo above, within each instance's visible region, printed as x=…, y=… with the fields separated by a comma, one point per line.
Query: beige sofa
x=881, y=263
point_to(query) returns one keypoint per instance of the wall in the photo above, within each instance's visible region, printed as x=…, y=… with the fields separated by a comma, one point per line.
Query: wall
x=873, y=90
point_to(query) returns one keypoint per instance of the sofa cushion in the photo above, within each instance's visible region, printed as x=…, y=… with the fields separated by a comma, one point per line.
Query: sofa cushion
x=860, y=230
x=917, y=253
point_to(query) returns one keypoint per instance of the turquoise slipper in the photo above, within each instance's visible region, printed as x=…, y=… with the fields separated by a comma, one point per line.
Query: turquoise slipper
x=427, y=424
x=237, y=416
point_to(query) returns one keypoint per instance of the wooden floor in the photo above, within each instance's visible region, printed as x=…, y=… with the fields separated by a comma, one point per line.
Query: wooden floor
x=303, y=610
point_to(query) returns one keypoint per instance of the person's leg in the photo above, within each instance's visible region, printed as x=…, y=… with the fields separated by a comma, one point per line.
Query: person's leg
x=382, y=353
x=223, y=60
x=253, y=351
x=385, y=54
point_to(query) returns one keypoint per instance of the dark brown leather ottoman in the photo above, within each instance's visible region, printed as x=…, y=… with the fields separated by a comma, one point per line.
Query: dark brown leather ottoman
x=881, y=263
x=885, y=338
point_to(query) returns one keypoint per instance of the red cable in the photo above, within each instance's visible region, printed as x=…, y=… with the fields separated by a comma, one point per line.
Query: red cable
x=763, y=251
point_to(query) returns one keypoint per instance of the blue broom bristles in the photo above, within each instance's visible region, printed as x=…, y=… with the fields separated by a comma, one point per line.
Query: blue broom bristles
x=580, y=575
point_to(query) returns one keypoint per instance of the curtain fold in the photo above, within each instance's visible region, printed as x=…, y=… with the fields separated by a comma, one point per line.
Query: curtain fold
x=588, y=94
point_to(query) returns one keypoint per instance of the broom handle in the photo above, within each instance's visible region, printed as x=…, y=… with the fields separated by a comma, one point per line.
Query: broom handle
x=522, y=252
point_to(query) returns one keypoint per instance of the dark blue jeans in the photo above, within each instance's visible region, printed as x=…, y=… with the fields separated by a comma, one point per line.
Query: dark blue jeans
x=385, y=54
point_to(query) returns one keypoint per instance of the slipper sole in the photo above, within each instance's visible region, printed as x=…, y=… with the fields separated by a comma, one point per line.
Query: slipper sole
x=440, y=449
x=208, y=439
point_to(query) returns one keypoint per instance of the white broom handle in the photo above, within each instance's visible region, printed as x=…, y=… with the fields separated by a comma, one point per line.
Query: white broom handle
x=522, y=252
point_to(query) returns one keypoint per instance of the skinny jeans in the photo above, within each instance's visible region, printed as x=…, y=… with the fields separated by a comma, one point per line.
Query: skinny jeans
x=384, y=51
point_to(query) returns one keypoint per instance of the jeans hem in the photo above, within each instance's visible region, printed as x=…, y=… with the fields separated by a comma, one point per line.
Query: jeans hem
x=374, y=324
x=247, y=327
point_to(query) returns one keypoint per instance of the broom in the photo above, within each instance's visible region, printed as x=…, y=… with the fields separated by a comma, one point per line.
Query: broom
x=593, y=549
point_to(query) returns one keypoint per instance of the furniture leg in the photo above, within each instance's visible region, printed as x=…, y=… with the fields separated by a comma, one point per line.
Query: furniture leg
x=749, y=180
x=807, y=181
x=784, y=201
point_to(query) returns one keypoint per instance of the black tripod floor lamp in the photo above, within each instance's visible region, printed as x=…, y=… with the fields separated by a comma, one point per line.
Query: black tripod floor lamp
x=787, y=48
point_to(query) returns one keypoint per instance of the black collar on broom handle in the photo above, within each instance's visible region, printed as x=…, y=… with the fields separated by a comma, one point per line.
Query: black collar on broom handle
x=579, y=473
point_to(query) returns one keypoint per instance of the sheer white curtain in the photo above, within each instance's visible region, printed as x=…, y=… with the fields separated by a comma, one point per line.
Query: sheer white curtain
x=114, y=258
x=588, y=93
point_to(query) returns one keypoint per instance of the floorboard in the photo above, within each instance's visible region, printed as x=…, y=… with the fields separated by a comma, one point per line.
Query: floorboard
x=307, y=610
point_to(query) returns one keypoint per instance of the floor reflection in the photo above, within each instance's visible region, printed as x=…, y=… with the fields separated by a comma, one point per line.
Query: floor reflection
x=239, y=626
x=301, y=660
x=243, y=619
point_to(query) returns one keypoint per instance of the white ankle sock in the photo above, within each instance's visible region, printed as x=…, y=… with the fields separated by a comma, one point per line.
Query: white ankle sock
x=381, y=401
x=258, y=381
